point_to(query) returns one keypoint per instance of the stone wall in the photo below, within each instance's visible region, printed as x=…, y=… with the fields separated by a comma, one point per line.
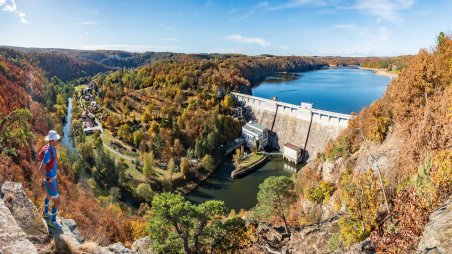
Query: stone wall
x=290, y=123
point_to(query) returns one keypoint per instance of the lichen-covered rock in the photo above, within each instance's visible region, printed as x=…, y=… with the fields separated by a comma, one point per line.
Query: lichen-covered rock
x=312, y=239
x=143, y=245
x=70, y=229
x=12, y=237
x=116, y=248
x=25, y=213
x=437, y=236
x=269, y=237
x=364, y=247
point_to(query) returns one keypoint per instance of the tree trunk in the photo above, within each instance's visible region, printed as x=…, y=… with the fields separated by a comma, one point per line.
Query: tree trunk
x=286, y=227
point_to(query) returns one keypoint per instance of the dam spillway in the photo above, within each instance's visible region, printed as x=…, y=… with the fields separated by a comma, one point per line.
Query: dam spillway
x=308, y=128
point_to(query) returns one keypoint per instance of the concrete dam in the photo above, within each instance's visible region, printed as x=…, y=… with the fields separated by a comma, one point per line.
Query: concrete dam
x=311, y=129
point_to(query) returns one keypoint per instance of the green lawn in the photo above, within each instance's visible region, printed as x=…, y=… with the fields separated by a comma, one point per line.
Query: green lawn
x=165, y=174
x=251, y=159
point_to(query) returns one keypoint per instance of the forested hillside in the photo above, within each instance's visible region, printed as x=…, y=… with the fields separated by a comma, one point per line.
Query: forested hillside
x=392, y=166
x=30, y=105
x=68, y=65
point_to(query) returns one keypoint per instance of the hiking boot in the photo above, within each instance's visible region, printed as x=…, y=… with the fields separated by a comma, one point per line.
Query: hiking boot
x=54, y=225
x=46, y=216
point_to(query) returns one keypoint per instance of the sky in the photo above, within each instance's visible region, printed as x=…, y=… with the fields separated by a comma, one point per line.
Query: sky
x=284, y=27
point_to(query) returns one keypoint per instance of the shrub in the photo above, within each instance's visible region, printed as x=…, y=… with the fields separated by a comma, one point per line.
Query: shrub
x=339, y=148
x=334, y=242
x=321, y=192
x=441, y=174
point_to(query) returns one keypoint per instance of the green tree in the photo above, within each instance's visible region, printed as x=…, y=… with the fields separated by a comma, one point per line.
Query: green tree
x=97, y=140
x=15, y=131
x=440, y=38
x=184, y=166
x=137, y=137
x=276, y=195
x=148, y=167
x=144, y=191
x=180, y=226
x=208, y=163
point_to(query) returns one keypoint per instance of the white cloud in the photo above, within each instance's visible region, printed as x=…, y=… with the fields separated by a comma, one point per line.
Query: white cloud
x=22, y=18
x=287, y=5
x=10, y=6
x=295, y=4
x=249, y=40
x=383, y=9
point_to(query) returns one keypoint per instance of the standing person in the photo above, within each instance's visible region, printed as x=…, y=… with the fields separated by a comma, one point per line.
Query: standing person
x=48, y=170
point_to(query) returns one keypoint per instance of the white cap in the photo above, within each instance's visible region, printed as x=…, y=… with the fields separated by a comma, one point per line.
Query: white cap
x=53, y=135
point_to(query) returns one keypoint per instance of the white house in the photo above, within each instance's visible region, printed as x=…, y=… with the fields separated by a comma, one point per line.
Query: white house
x=255, y=135
x=292, y=153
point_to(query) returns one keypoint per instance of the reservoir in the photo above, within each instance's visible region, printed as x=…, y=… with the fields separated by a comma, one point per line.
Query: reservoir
x=342, y=90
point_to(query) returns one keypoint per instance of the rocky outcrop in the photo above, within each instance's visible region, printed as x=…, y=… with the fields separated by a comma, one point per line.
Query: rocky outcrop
x=116, y=248
x=143, y=245
x=24, y=212
x=313, y=239
x=317, y=238
x=436, y=238
x=22, y=230
x=12, y=237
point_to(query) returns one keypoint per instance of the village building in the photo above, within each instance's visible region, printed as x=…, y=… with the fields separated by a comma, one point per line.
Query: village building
x=89, y=123
x=255, y=135
x=292, y=153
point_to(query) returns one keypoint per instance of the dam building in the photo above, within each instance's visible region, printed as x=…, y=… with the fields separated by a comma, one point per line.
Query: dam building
x=255, y=135
x=292, y=153
x=300, y=125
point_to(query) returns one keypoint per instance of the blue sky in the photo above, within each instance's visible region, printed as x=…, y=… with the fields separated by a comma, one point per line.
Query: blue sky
x=285, y=27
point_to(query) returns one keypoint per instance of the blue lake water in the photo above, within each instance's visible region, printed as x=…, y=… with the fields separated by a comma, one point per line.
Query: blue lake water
x=342, y=89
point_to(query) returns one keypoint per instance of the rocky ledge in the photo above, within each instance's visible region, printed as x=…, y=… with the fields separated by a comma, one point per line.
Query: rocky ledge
x=22, y=230
x=436, y=237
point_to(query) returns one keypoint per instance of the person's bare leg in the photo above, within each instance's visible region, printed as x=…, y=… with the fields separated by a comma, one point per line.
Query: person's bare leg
x=56, y=202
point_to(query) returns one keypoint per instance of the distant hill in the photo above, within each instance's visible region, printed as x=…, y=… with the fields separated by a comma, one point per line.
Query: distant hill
x=70, y=64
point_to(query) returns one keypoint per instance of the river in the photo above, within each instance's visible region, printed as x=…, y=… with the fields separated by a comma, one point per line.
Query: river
x=342, y=90
x=238, y=193
x=67, y=137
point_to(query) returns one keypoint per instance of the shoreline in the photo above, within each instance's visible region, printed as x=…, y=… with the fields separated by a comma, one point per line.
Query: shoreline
x=380, y=72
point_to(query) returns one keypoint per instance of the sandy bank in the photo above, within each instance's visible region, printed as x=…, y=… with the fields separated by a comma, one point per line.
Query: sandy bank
x=381, y=72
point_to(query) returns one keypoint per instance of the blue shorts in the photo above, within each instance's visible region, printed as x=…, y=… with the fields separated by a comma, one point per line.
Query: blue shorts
x=52, y=188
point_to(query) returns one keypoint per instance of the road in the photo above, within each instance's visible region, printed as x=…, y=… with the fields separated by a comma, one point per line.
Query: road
x=118, y=153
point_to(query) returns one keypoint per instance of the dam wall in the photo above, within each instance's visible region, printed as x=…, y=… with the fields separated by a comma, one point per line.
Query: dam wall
x=308, y=128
